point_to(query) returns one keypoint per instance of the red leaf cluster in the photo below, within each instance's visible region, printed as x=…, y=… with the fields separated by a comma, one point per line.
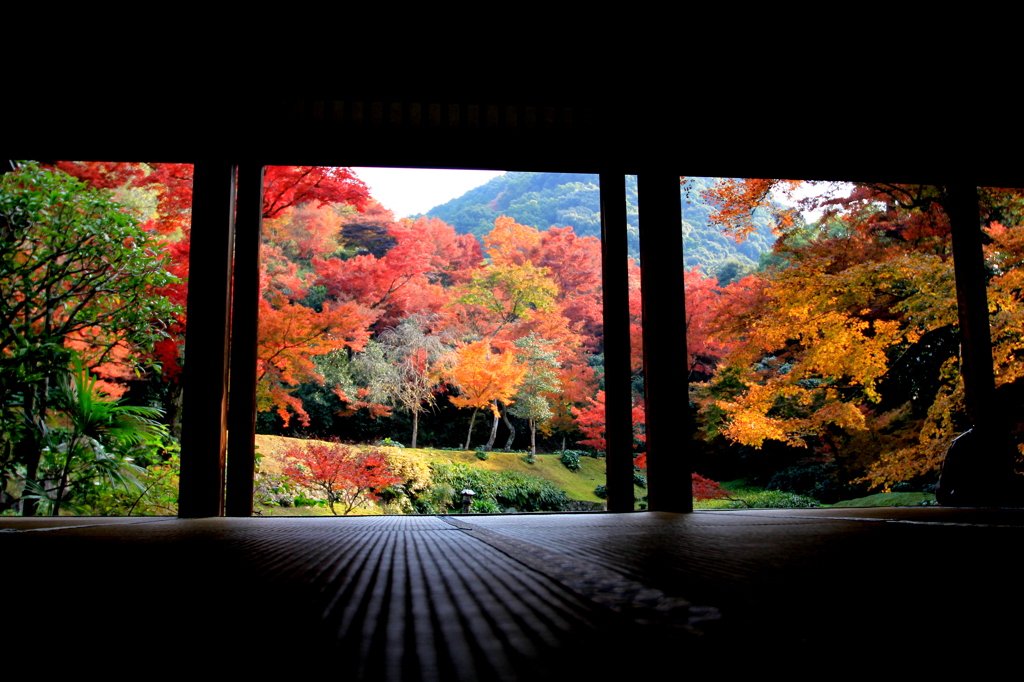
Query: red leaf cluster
x=346, y=474
x=706, y=489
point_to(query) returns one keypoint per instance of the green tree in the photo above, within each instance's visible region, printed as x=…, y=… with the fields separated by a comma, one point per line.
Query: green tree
x=73, y=266
x=532, y=401
x=87, y=440
x=404, y=367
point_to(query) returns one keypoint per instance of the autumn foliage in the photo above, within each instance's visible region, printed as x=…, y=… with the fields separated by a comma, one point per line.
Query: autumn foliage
x=487, y=374
x=346, y=475
x=846, y=347
x=706, y=489
x=840, y=346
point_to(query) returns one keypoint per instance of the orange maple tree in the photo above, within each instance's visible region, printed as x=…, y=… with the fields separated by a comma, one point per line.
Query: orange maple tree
x=290, y=336
x=484, y=377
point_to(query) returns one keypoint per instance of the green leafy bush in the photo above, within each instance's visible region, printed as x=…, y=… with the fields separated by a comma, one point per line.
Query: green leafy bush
x=482, y=455
x=504, y=489
x=571, y=459
x=601, y=491
x=302, y=501
x=816, y=480
x=485, y=506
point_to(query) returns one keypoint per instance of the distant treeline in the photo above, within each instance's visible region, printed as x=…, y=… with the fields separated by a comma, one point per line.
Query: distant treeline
x=543, y=200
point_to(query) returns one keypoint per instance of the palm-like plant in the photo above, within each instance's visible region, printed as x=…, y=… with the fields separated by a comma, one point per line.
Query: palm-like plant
x=86, y=438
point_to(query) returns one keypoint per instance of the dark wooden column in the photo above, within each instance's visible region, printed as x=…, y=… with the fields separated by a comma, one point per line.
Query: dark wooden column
x=244, y=321
x=972, y=302
x=669, y=427
x=204, y=411
x=615, y=288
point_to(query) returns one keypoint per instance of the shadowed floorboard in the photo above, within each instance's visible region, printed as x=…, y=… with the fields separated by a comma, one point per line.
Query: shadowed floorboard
x=514, y=597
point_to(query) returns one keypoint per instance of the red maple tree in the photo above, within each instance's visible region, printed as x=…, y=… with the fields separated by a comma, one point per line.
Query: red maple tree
x=591, y=422
x=346, y=474
x=705, y=488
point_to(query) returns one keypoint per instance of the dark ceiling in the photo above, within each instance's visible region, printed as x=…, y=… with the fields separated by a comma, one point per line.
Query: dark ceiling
x=585, y=124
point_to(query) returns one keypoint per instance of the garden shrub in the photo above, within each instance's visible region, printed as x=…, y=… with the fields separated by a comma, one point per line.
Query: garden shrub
x=269, y=488
x=571, y=459
x=410, y=468
x=520, y=491
x=434, y=499
x=484, y=506
x=601, y=491
x=815, y=480
x=639, y=480
x=704, y=488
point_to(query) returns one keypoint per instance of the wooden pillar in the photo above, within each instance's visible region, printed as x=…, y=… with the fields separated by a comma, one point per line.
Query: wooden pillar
x=617, y=389
x=669, y=426
x=971, y=302
x=244, y=321
x=204, y=410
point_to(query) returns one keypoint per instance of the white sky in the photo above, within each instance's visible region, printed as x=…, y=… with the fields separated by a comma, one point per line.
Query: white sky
x=416, y=190
x=407, y=191
x=812, y=190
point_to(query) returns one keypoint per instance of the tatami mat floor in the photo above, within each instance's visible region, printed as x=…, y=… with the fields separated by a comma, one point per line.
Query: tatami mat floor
x=516, y=597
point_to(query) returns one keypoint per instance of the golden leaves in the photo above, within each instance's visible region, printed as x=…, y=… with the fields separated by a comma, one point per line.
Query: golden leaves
x=485, y=377
x=815, y=343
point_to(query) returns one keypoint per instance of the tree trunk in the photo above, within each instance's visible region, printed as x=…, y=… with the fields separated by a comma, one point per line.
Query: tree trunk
x=533, y=437
x=494, y=431
x=415, y=427
x=173, y=411
x=511, y=430
x=470, y=434
x=29, y=449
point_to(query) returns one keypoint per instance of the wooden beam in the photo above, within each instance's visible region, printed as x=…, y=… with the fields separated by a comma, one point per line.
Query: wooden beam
x=617, y=388
x=972, y=302
x=204, y=422
x=244, y=325
x=669, y=426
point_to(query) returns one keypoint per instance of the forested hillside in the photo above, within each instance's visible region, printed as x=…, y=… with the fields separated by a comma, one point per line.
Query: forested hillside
x=543, y=200
x=831, y=369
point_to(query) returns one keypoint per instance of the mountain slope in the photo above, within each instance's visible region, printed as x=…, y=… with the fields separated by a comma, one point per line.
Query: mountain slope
x=543, y=200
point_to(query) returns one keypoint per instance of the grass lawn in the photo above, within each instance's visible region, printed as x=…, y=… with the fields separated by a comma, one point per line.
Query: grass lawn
x=578, y=485
x=319, y=510
x=758, y=497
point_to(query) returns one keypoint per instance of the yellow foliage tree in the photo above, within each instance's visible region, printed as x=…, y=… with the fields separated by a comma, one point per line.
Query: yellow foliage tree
x=814, y=340
x=485, y=377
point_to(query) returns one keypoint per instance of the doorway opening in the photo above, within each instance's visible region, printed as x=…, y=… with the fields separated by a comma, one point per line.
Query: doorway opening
x=458, y=340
